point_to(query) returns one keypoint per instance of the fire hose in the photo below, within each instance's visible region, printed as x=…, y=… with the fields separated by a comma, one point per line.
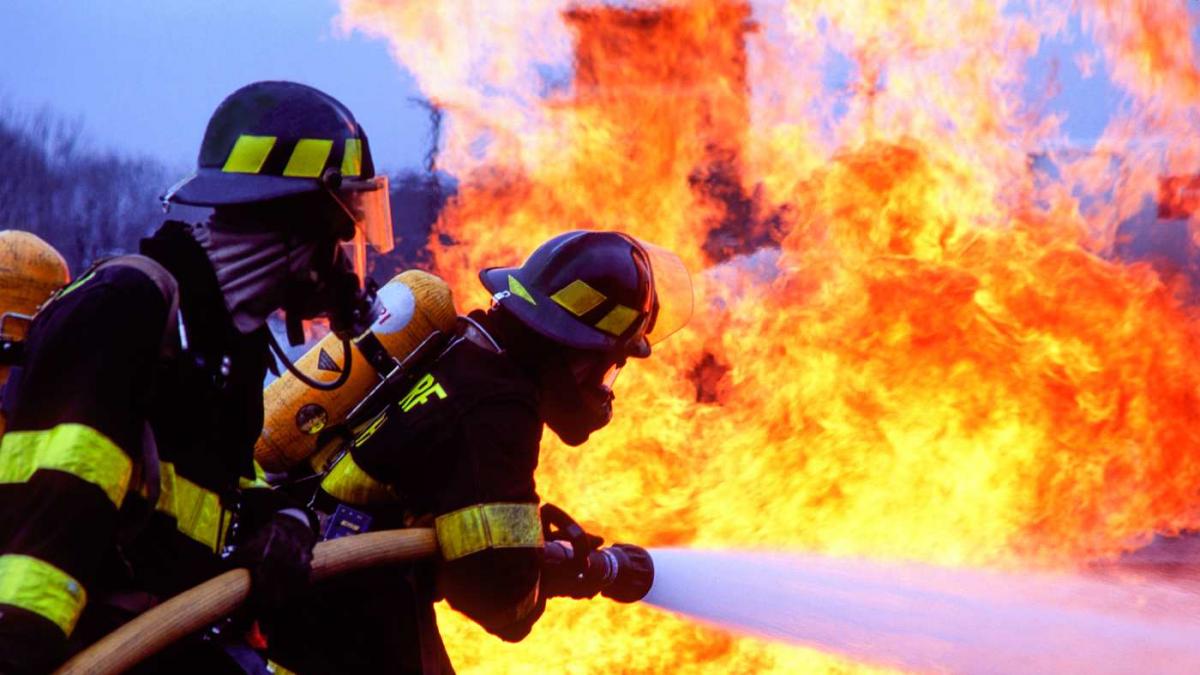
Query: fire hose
x=622, y=572
x=216, y=598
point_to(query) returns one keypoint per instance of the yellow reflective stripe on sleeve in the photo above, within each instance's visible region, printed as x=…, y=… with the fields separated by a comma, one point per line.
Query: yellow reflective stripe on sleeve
x=308, y=158
x=348, y=482
x=249, y=154
x=76, y=449
x=41, y=588
x=352, y=158
x=518, y=290
x=617, y=320
x=197, y=512
x=482, y=526
x=277, y=669
x=578, y=298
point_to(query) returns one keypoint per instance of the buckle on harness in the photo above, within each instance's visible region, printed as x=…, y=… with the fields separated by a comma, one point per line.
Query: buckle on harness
x=344, y=522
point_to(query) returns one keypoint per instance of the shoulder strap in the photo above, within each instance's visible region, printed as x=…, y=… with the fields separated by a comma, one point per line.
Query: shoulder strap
x=167, y=285
x=150, y=479
x=164, y=280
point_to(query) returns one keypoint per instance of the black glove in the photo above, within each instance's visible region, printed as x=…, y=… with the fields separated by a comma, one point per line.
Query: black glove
x=276, y=546
x=28, y=650
x=565, y=557
x=564, y=576
x=279, y=557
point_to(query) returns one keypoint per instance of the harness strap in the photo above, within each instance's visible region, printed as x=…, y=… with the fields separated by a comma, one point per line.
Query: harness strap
x=167, y=285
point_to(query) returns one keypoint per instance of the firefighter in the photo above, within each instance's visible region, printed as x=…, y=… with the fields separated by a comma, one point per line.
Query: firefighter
x=458, y=451
x=126, y=472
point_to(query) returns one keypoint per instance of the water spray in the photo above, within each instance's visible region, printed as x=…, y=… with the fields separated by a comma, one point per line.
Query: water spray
x=929, y=618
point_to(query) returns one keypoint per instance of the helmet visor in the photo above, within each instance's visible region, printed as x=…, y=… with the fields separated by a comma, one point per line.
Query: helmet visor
x=672, y=290
x=369, y=203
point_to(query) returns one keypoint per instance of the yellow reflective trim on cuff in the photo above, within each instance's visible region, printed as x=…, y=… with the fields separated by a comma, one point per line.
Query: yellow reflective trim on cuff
x=249, y=154
x=482, y=526
x=518, y=290
x=308, y=158
x=348, y=482
x=197, y=511
x=76, y=449
x=39, y=587
x=352, y=157
x=578, y=298
x=617, y=320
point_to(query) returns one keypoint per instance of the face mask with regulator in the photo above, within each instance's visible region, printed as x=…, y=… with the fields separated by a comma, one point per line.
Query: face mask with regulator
x=360, y=214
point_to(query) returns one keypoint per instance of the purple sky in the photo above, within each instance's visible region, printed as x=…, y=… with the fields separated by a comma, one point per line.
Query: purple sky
x=144, y=75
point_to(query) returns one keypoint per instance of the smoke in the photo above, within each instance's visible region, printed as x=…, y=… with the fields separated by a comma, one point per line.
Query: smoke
x=931, y=618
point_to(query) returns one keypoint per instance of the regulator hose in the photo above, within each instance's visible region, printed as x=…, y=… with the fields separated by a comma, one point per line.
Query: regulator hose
x=218, y=597
x=347, y=357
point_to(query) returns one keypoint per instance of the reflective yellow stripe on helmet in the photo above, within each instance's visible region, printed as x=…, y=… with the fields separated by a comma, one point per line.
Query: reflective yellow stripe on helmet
x=516, y=288
x=197, y=512
x=308, y=158
x=578, y=297
x=617, y=320
x=482, y=526
x=352, y=157
x=41, y=588
x=76, y=449
x=249, y=154
x=348, y=482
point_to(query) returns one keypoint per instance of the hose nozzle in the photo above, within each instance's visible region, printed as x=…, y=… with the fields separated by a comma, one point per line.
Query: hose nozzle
x=628, y=572
x=575, y=567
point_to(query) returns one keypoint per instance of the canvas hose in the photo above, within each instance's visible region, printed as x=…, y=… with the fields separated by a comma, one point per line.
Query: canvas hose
x=216, y=598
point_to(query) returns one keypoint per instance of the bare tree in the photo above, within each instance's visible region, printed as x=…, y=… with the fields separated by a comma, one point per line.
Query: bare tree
x=87, y=203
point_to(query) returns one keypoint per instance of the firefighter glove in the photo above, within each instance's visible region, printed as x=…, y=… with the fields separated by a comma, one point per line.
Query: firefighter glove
x=562, y=576
x=279, y=556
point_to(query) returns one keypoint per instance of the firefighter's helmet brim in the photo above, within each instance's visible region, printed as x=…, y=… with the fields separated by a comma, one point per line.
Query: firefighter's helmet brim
x=214, y=187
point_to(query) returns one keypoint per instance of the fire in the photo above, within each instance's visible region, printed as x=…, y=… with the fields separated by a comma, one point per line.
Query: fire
x=909, y=343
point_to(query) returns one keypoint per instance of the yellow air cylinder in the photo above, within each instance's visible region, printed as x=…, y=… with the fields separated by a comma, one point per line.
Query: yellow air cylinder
x=30, y=271
x=411, y=306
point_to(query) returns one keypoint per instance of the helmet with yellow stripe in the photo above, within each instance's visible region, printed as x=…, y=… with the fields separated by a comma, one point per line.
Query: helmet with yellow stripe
x=269, y=140
x=597, y=291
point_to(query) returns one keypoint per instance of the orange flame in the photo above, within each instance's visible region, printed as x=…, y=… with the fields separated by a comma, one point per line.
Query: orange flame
x=907, y=343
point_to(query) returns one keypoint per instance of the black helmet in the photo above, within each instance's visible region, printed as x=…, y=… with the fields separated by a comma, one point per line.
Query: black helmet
x=602, y=291
x=274, y=139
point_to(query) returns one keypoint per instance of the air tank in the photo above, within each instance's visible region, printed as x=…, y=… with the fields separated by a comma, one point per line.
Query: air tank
x=30, y=271
x=411, y=306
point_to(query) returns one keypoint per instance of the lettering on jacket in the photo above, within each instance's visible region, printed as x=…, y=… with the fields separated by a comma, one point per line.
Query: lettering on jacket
x=425, y=388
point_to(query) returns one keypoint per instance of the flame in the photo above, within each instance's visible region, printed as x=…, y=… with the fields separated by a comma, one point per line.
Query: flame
x=910, y=343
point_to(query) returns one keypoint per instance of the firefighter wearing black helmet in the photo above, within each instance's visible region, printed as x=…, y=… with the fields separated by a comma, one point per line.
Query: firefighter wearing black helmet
x=126, y=472
x=458, y=451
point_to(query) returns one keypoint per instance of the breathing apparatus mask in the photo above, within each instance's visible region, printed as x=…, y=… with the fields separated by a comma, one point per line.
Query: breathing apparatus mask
x=578, y=393
x=353, y=215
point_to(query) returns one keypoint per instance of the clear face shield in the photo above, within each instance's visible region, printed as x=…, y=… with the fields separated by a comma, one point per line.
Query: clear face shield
x=368, y=202
x=672, y=291
x=596, y=370
x=671, y=311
